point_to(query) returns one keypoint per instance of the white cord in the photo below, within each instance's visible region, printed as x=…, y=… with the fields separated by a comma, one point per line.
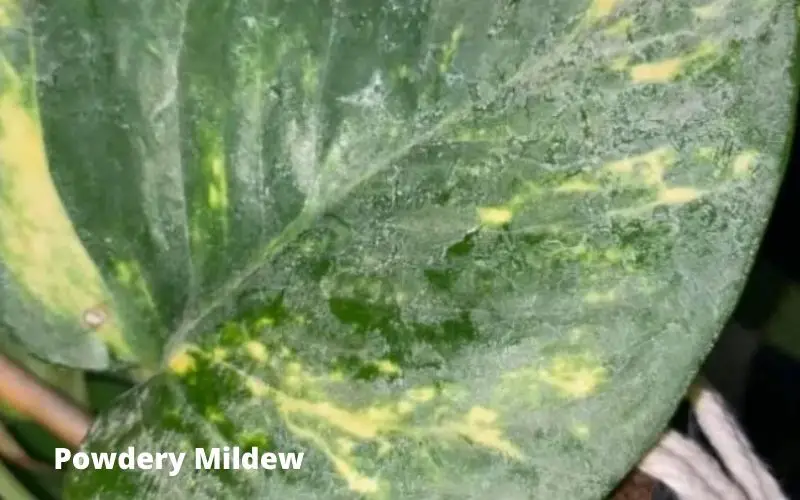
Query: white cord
x=693, y=474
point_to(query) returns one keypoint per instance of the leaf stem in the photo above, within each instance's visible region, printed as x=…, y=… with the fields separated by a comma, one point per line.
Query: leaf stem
x=35, y=400
x=11, y=487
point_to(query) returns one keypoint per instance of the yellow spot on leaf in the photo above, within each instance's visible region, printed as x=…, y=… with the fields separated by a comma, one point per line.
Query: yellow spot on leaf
x=9, y=13
x=648, y=168
x=182, y=362
x=129, y=273
x=219, y=354
x=336, y=430
x=124, y=272
x=362, y=425
x=387, y=367
x=574, y=376
x=744, y=162
x=481, y=416
x=451, y=48
x=601, y=9
x=657, y=72
x=677, y=195
x=477, y=427
x=218, y=187
x=5, y=18
x=257, y=351
x=209, y=218
x=668, y=69
x=594, y=297
x=214, y=197
x=421, y=394
x=494, y=216
x=620, y=28
x=293, y=382
x=577, y=186
x=361, y=484
x=580, y=431
x=405, y=407
x=264, y=322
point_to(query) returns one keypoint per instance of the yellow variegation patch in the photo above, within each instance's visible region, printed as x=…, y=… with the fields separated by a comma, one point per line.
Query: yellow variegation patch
x=495, y=216
x=667, y=70
x=574, y=376
x=600, y=9
x=182, y=362
x=337, y=429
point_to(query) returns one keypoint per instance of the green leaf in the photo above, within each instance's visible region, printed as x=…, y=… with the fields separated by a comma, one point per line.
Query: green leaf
x=445, y=249
x=48, y=282
x=11, y=486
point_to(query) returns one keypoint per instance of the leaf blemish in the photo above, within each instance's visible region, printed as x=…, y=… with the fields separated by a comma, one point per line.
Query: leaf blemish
x=657, y=72
x=182, y=362
x=601, y=9
x=494, y=216
x=96, y=316
x=574, y=376
x=257, y=351
x=668, y=70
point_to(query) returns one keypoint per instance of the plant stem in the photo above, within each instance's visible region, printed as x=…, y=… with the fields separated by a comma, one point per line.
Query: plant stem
x=34, y=399
x=11, y=487
x=68, y=381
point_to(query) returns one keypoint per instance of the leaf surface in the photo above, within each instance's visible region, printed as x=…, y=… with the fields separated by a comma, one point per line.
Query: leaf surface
x=48, y=281
x=446, y=249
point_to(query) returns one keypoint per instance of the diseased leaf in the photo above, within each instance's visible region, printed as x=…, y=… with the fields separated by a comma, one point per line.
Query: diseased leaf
x=446, y=249
x=48, y=280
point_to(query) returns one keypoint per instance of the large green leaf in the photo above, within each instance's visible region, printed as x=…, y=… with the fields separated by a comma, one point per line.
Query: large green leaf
x=446, y=248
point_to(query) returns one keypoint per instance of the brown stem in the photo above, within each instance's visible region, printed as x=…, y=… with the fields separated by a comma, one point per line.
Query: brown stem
x=34, y=399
